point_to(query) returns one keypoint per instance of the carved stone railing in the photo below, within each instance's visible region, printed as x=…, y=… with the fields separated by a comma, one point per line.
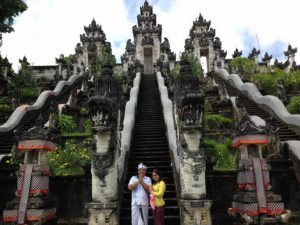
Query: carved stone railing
x=270, y=103
x=167, y=106
x=25, y=113
x=187, y=157
x=128, y=123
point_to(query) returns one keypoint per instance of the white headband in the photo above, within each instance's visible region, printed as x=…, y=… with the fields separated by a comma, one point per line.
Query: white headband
x=142, y=166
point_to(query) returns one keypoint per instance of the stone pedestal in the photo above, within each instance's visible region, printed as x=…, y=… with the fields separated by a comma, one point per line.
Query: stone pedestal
x=103, y=214
x=195, y=212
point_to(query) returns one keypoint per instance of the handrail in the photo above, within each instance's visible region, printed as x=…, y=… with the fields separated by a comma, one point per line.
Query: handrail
x=128, y=123
x=24, y=113
x=167, y=106
x=270, y=101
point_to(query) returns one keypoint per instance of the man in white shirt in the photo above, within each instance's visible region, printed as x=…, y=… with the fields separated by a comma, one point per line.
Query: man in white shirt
x=140, y=186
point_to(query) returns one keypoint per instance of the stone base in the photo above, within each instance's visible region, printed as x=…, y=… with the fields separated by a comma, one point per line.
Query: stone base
x=195, y=212
x=103, y=214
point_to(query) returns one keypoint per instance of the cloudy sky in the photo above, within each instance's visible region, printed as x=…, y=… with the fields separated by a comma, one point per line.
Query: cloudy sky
x=52, y=27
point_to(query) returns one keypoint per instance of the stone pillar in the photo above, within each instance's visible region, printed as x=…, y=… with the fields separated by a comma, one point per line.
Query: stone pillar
x=195, y=212
x=189, y=104
x=103, y=214
x=104, y=108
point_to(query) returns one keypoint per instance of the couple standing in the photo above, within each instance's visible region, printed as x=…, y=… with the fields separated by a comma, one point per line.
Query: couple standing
x=140, y=186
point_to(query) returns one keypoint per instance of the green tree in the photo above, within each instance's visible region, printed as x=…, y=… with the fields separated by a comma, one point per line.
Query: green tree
x=24, y=78
x=294, y=106
x=243, y=66
x=195, y=65
x=104, y=57
x=8, y=10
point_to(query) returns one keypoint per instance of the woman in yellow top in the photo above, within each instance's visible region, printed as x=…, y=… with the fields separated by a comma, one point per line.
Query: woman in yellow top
x=159, y=188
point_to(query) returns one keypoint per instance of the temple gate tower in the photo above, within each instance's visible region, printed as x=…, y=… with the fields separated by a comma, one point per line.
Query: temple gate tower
x=201, y=42
x=147, y=38
x=93, y=41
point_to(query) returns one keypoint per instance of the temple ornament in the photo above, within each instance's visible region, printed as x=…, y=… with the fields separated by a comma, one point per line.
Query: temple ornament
x=32, y=204
x=255, y=203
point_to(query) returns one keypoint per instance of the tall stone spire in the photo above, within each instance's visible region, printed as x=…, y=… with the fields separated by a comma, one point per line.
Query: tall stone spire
x=147, y=37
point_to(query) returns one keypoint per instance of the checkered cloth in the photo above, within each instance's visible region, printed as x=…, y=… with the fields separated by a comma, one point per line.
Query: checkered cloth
x=36, y=145
x=37, y=169
x=31, y=215
x=254, y=172
x=26, y=183
x=38, y=184
x=252, y=208
x=260, y=187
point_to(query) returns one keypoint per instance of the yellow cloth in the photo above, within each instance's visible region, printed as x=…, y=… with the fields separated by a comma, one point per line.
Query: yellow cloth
x=159, y=190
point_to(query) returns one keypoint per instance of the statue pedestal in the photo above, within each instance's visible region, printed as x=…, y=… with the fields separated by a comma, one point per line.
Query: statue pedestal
x=195, y=212
x=103, y=214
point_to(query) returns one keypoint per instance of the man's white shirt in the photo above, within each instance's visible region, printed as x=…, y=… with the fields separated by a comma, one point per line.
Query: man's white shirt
x=139, y=196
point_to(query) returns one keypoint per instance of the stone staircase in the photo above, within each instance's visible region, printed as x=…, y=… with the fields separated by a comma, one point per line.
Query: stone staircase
x=150, y=146
x=285, y=132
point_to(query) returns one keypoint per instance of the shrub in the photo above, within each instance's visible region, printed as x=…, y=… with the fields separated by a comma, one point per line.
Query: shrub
x=294, y=105
x=28, y=94
x=195, y=65
x=175, y=71
x=69, y=160
x=41, y=80
x=221, y=153
x=243, y=66
x=88, y=126
x=4, y=108
x=268, y=81
x=217, y=122
x=5, y=100
x=66, y=124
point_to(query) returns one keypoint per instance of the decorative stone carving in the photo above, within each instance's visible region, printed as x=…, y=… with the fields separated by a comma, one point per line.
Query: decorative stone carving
x=147, y=40
x=236, y=53
x=290, y=51
x=274, y=147
x=130, y=47
x=189, y=107
x=78, y=49
x=165, y=46
x=189, y=103
x=104, y=113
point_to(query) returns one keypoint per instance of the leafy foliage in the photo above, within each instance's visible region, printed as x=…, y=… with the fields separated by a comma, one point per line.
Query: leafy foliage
x=217, y=122
x=243, y=66
x=195, y=65
x=8, y=10
x=175, y=71
x=221, y=153
x=4, y=108
x=68, y=160
x=121, y=76
x=28, y=94
x=5, y=100
x=104, y=57
x=268, y=81
x=66, y=124
x=24, y=78
x=294, y=105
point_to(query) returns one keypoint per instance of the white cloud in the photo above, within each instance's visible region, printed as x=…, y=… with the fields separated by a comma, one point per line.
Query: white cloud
x=49, y=28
